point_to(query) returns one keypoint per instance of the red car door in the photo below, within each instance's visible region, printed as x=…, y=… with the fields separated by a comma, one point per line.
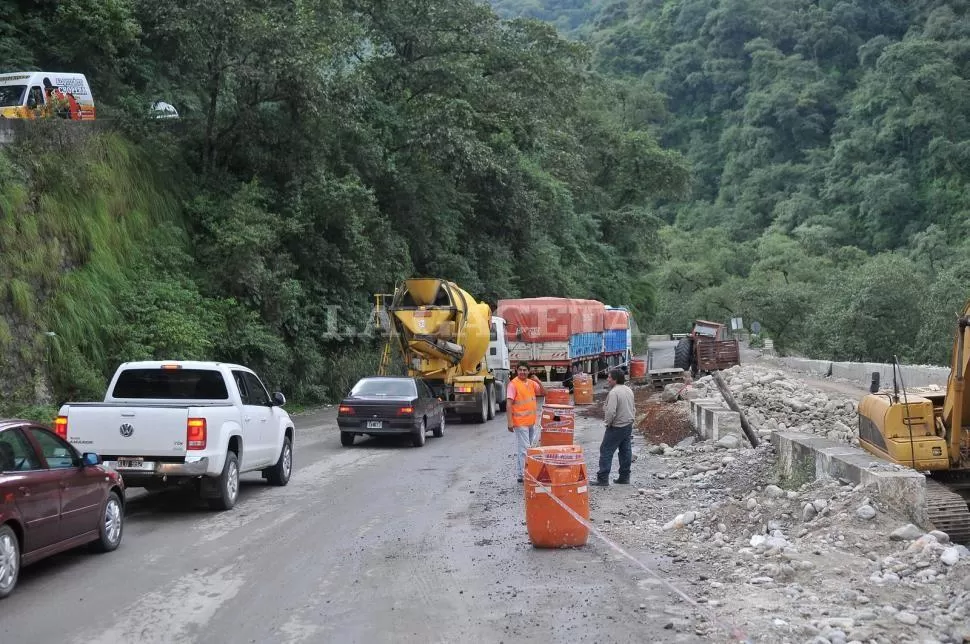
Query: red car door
x=32, y=488
x=81, y=488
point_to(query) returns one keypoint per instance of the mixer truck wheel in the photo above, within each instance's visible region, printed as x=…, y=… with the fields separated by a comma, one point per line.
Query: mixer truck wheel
x=490, y=393
x=482, y=415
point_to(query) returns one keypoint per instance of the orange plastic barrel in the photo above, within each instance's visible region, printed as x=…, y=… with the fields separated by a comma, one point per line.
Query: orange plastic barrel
x=638, y=368
x=582, y=389
x=558, y=425
x=557, y=396
x=556, y=477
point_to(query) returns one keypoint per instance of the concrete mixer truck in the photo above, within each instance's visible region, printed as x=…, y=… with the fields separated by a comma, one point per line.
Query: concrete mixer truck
x=449, y=340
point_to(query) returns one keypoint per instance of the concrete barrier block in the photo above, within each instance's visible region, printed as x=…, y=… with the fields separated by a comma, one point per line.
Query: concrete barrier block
x=905, y=491
x=707, y=427
x=726, y=422
x=828, y=463
x=855, y=371
x=697, y=408
x=804, y=457
x=797, y=460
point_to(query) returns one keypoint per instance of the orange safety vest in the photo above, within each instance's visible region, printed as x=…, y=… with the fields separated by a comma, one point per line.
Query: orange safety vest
x=524, y=406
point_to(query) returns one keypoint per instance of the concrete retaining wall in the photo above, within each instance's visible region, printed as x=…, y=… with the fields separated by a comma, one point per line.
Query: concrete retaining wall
x=861, y=372
x=805, y=457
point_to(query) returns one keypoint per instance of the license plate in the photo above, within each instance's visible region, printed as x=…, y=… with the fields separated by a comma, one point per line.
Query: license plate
x=374, y=424
x=134, y=464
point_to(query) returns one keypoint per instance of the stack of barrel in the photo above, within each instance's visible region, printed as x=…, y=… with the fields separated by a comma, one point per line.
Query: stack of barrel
x=556, y=492
x=558, y=419
x=556, y=496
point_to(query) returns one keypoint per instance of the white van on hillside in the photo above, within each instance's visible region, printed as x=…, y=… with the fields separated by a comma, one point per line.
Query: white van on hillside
x=30, y=95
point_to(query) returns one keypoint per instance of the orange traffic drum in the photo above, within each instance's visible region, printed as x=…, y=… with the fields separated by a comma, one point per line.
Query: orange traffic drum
x=582, y=389
x=558, y=424
x=556, y=497
x=638, y=368
x=557, y=396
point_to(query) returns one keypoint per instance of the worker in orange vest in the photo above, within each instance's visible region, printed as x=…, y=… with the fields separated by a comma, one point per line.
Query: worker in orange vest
x=523, y=412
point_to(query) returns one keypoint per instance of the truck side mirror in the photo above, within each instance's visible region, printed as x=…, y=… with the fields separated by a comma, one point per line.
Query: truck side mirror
x=279, y=399
x=874, y=385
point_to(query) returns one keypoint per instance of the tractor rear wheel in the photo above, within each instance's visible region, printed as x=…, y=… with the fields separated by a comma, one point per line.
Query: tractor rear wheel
x=684, y=354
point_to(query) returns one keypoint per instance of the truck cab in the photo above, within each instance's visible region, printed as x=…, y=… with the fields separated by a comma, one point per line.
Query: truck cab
x=498, y=359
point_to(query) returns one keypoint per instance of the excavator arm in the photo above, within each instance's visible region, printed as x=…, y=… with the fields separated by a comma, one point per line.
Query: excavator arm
x=955, y=405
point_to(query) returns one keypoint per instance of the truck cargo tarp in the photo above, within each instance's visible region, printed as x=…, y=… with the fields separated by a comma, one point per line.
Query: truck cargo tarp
x=616, y=319
x=550, y=319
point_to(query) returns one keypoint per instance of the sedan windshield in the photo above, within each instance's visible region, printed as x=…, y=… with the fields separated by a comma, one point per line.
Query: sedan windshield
x=12, y=95
x=383, y=387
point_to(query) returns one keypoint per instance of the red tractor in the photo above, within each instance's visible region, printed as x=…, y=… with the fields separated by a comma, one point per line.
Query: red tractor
x=706, y=348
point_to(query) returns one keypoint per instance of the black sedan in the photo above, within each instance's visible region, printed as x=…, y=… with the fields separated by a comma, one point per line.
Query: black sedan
x=380, y=405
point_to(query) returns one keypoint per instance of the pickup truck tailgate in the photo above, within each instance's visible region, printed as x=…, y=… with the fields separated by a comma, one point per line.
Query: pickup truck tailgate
x=116, y=430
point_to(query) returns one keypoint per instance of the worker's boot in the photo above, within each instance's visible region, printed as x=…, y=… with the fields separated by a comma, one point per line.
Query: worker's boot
x=601, y=482
x=622, y=480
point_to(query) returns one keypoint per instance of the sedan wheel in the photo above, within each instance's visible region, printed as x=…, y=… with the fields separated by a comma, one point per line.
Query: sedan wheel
x=112, y=525
x=417, y=439
x=439, y=431
x=9, y=560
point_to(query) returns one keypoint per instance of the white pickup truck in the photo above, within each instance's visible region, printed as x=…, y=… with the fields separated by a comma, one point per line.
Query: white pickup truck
x=162, y=423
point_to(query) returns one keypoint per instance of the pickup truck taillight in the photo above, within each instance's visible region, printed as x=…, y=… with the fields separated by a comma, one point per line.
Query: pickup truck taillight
x=195, y=433
x=60, y=426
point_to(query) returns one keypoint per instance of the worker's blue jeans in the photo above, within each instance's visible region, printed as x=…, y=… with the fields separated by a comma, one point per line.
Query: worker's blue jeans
x=616, y=438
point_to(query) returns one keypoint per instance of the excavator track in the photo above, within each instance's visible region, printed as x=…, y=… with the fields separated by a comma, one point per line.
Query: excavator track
x=948, y=511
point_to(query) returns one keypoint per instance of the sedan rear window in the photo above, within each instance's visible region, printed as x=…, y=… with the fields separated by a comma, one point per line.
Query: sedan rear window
x=171, y=384
x=383, y=387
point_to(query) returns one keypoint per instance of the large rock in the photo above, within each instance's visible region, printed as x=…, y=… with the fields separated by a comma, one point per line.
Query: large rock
x=908, y=532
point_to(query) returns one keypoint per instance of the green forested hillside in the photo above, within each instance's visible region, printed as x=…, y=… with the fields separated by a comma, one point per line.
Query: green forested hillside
x=802, y=163
x=326, y=149
x=828, y=142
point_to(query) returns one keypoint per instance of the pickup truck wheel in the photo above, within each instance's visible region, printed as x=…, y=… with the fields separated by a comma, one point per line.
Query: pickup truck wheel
x=228, y=484
x=439, y=431
x=419, y=437
x=347, y=438
x=9, y=560
x=279, y=474
x=112, y=525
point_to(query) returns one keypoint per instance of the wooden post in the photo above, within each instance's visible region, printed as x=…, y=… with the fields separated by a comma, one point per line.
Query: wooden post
x=729, y=399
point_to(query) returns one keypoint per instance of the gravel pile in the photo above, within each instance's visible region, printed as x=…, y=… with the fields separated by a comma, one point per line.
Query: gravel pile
x=775, y=400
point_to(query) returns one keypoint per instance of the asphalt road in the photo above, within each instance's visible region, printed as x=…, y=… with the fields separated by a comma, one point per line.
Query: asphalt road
x=380, y=542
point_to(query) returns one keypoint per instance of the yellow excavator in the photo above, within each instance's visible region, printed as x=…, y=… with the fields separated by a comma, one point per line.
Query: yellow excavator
x=928, y=430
